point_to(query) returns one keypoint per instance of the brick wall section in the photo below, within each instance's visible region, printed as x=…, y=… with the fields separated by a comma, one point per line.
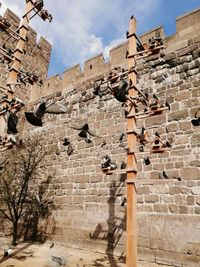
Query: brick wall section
x=36, y=58
x=88, y=213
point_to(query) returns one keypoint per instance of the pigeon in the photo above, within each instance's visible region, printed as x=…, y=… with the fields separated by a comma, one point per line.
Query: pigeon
x=107, y=163
x=157, y=134
x=167, y=105
x=97, y=87
x=121, y=92
x=146, y=161
x=52, y=245
x=196, y=121
x=141, y=148
x=85, y=132
x=35, y=118
x=143, y=137
x=123, y=165
x=7, y=252
x=121, y=137
x=177, y=178
x=163, y=175
x=167, y=144
x=103, y=143
x=66, y=142
x=124, y=201
x=12, y=123
x=70, y=149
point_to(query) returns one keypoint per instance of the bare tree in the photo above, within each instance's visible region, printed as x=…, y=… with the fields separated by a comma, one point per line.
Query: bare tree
x=18, y=191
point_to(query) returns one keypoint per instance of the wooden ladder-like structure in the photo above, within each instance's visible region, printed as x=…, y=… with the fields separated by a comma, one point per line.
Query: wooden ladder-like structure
x=131, y=169
x=32, y=8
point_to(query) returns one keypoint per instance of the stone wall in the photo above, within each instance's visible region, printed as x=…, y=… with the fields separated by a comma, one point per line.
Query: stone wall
x=34, y=52
x=88, y=212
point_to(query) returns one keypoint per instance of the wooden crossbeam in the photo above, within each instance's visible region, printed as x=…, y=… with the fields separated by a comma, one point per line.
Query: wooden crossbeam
x=151, y=181
x=121, y=171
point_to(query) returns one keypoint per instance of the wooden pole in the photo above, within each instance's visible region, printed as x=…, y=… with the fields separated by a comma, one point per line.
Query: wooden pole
x=18, y=52
x=131, y=218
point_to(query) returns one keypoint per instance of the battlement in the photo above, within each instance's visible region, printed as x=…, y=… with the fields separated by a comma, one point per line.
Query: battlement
x=187, y=26
x=32, y=35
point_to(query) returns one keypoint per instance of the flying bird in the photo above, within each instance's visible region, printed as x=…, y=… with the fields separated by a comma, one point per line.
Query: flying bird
x=121, y=92
x=85, y=132
x=35, y=118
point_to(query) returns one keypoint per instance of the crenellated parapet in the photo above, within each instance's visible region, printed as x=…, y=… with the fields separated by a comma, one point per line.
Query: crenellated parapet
x=187, y=26
x=36, y=53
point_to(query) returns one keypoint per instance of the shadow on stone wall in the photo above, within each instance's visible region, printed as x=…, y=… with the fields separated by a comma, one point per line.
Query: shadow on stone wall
x=39, y=222
x=116, y=227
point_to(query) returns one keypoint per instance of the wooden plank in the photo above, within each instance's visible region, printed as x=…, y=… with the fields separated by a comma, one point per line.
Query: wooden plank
x=121, y=171
x=149, y=113
x=152, y=181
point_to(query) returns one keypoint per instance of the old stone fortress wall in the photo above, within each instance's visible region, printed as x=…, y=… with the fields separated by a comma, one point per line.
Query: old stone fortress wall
x=88, y=212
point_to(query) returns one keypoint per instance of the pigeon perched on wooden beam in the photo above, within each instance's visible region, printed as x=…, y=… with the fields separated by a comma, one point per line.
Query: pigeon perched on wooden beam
x=143, y=137
x=105, y=162
x=97, y=87
x=108, y=163
x=35, y=118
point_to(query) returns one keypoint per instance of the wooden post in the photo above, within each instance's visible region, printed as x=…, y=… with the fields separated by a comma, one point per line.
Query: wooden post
x=131, y=218
x=18, y=52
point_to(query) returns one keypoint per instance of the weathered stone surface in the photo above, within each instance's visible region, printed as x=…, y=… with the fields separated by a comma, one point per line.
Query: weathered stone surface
x=88, y=202
x=190, y=173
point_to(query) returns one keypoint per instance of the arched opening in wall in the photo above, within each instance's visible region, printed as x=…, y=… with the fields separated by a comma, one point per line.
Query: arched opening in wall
x=91, y=67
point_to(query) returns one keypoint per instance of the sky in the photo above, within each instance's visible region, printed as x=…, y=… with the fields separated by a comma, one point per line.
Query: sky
x=82, y=29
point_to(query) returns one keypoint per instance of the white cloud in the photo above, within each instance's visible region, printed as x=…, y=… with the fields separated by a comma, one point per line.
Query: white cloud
x=81, y=29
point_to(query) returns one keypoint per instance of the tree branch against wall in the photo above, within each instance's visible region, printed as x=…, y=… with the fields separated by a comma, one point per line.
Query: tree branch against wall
x=21, y=193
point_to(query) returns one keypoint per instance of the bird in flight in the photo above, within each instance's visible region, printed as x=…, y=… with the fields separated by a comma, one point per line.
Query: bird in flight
x=35, y=117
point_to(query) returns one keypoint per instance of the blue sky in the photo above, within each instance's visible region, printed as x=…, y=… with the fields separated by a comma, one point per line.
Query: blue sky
x=83, y=28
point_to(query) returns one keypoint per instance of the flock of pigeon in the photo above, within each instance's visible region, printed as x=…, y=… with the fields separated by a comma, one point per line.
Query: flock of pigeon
x=117, y=86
